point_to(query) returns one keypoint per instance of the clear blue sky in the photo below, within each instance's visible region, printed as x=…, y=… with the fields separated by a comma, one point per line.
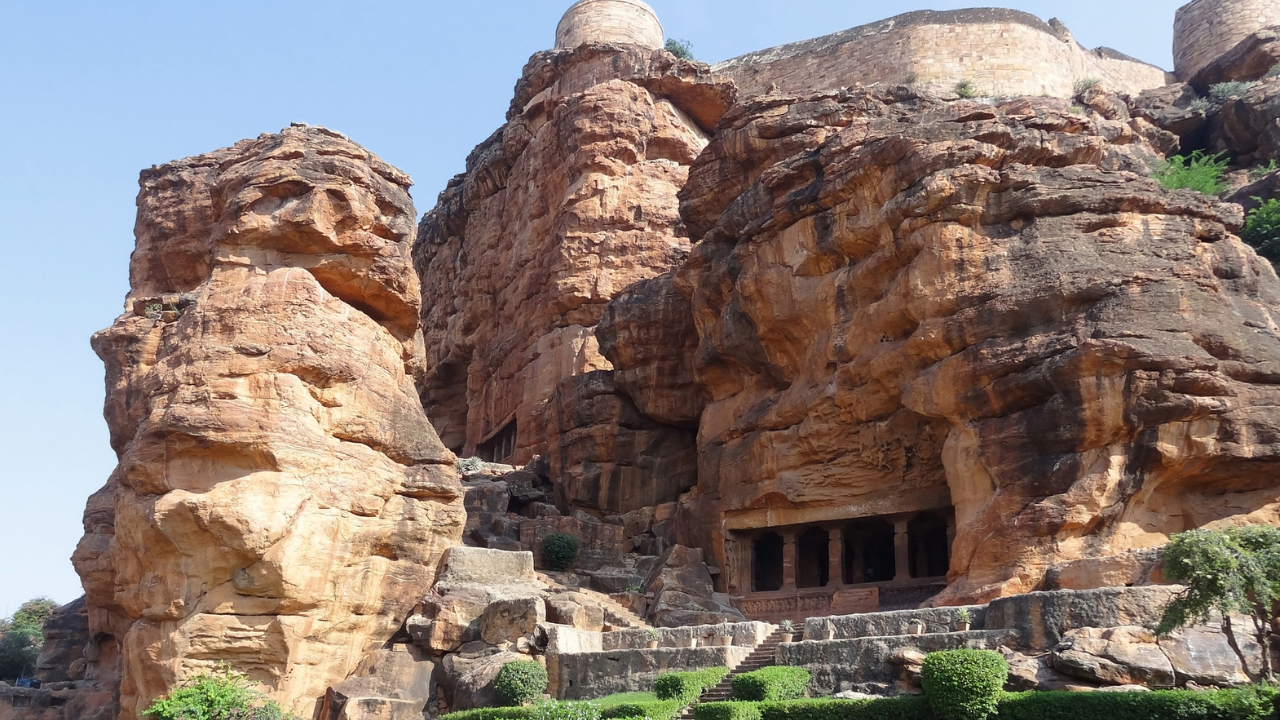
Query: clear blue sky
x=92, y=92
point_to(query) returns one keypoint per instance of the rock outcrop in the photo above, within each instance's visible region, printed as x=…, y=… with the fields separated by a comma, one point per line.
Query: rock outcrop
x=281, y=500
x=903, y=303
x=565, y=206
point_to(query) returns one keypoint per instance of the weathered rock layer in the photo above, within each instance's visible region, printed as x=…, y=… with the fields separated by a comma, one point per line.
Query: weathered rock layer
x=281, y=500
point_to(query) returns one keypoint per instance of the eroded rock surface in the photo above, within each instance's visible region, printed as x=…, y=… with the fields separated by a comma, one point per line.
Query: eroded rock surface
x=904, y=304
x=281, y=500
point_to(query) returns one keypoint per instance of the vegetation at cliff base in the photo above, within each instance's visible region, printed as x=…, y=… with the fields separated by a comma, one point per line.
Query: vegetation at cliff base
x=220, y=695
x=682, y=49
x=21, y=637
x=1232, y=572
x=1262, y=229
x=1196, y=171
x=964, y=684
x=521, y=682
x=559, y=551
x=966, y=89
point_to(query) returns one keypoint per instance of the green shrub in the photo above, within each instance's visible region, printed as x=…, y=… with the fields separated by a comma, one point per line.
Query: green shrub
x=1251, y=703
x=219, y=695
x=559, y=551
x=21, y=637
x=682, y=49
x=648, y=709
x=1196, y=172
x=688, y=686
x=1273, y=72
x=504, y=713
x=1084, y=85
x=899, y=708
x=813, y=709
x=1223, y=92
x=1262, y=229
x=771, y=683
x=727, y=711
x=964, y=684
x=520, y=682
x=624, y=698
x=966, y=89
x=470, y=465
x=565, y=710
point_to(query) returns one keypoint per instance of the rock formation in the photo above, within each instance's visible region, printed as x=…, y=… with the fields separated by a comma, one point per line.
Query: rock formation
x=281, y=500
x=569, y=203
x=901, y=302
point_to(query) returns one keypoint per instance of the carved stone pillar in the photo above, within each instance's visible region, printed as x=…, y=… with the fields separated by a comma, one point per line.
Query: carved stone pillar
x=859, y=562
x=789, y=561
x=835, y=557
x=901, y=552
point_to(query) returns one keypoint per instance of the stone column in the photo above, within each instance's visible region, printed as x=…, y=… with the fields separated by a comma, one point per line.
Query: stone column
x=835, y=556
x=901, y=552
x=859, y=562
x=789, y=561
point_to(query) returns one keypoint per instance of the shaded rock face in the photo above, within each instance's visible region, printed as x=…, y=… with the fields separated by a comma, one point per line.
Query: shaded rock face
x=903, y=304
x=281, y=500
x=570, y=202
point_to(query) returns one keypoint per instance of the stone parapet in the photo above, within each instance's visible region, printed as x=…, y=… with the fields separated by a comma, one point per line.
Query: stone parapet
x=628, y=22
x=936, y=620
x=586, y=676
x=1206, y=29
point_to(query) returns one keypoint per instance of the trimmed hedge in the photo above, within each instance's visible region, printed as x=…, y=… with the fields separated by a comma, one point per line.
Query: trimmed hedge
x=964, y=684
x=727, y=711
x=813, y=709
x=559, y=551
x=504, y=713
x=651, y=710
x=688, y=686
x=520, y=682
x=781, y=682
x=1249, y=703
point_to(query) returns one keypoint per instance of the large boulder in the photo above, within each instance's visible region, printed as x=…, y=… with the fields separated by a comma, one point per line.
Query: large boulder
x=1114, y=656
x=468, y=677
x=281, y=500
x=396, y=683
x=506, y=621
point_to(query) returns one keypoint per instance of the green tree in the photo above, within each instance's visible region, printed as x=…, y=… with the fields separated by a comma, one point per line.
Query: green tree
x=220, y=695
x=1236, y=571
x=682, y=49
x=21, y=637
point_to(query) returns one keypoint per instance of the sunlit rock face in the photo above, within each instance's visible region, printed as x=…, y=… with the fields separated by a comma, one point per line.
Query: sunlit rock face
x=903, y=303
x=281, y=501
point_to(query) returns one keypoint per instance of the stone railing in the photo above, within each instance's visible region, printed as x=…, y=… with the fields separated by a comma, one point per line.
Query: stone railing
x=799, y=604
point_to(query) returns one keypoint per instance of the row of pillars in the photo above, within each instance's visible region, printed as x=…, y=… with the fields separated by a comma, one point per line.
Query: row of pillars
x=836, y=554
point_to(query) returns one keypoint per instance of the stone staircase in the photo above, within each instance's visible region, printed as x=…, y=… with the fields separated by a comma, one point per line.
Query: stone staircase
x=761, y=657
x=615, y=615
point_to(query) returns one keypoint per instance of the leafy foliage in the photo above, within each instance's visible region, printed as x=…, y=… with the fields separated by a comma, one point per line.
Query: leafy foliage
x=1196, y=171
x=521, y=682
x=812, y=709
x=21, y=637
x=220, y=695
x=964, y=684
x=727, y=711
x=682, y=49
x=771, y=683
x=688, y=686
x=565, y=710
x=470, y=465
x=1223, y=92
x=1262, y=229
x=1251, y=703
x=503, y=713
x=965, y=89
x=559, y=551
x=1232, y=571
x=648, y=709
x=1084, y=85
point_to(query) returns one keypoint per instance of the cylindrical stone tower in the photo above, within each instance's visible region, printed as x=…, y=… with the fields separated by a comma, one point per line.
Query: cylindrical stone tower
x=1205, y=29
x=609, y=21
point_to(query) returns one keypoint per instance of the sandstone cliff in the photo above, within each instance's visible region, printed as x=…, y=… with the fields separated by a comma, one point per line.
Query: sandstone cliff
x=570, y=202
x=902, y=303
x=281, y=501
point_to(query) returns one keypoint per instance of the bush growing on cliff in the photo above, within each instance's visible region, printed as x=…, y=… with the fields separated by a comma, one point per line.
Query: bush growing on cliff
x=1196, y=171
x=1234, y=571
x=1262, y=229
x=21, y=637
x=220, y=695
x=1084, y=85
x=559, y=551
x=470, y=465
x=966, y=89
x=964, y=684
x=682, y=49
x=1223, y=92
x=521, y=682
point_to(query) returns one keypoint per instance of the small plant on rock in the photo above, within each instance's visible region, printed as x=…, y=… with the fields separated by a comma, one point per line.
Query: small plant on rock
x=1084, y=85
x=966, y=89
x=682, y=49
x=787, y=626
x=1273, y=72
x=220, y=695
x=964, y=684
x=470, y=465
x=1262, y=229
x=963, y=616
x=559, y=551
x=1196, y=171
x=1261, y=171
x=520, y=682
x=1223, y=92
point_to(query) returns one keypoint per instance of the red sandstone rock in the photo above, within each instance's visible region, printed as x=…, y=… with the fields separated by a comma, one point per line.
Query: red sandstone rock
x=281, y=499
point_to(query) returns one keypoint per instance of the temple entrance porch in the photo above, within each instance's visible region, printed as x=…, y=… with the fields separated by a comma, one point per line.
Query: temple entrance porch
x=841, y=567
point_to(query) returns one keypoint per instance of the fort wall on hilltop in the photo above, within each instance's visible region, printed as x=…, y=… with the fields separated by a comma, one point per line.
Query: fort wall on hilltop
x=629, y=22
x=1002, y=52
x=1205, y=29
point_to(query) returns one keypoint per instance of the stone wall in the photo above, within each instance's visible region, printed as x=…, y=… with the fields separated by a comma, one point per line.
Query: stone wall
x=1002, y=52
x=609, y=21
x=1205, y=29
x=586, y=676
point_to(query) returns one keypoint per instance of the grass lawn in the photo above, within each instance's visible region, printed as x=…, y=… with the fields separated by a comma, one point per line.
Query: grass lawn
x=623, y=698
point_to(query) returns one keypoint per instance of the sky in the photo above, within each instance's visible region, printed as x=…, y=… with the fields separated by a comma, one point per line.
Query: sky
x=93, y=92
